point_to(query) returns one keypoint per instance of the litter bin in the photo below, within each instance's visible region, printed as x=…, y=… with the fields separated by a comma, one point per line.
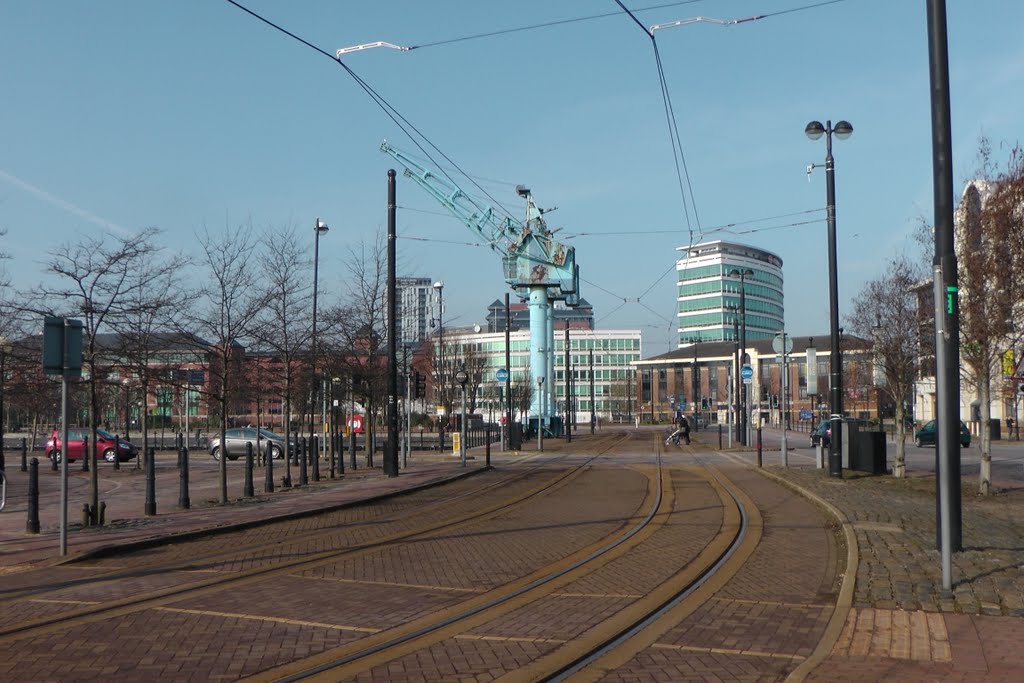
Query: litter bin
x=870, y=453
x=995, y=429
x=515, y=436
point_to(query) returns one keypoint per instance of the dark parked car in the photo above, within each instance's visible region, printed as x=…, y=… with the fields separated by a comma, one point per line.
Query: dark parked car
x=926, y=435
x=266, y=440
x=108, y=446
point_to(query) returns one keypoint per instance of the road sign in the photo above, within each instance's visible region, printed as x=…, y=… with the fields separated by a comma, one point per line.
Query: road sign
x=462, y=377
x=777, y=343
x=747, y=373
x=501, y=375
x=356, y=423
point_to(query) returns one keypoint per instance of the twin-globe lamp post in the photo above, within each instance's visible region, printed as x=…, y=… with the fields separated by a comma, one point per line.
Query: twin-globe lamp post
x=814, y=131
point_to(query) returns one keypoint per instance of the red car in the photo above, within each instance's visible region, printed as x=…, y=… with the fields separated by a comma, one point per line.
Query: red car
x=108, y=446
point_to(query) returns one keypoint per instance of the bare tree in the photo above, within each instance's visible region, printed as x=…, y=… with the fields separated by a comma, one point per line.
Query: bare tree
x=224, y=312
x=360, y=329
x=144, y=330
x=284, y=326
x=988, y=227
x=95, y=278
x=884, y=311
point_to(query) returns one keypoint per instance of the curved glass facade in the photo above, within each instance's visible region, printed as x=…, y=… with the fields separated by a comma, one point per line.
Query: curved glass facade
x=708, y=296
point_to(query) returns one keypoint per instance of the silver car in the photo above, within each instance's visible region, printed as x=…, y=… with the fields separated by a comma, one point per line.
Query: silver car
x=261, y=439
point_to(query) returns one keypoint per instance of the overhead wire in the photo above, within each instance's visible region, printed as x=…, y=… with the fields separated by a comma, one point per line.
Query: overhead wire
x=396, y=117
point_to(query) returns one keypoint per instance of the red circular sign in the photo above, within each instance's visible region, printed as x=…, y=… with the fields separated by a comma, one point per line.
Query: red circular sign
x=356, y=423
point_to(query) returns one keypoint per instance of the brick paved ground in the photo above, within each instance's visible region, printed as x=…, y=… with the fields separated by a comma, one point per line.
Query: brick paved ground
x=901, y=625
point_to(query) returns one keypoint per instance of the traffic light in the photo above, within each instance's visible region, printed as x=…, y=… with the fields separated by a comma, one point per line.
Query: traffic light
x=704, y=404
x=764, y=394
x=420, y=385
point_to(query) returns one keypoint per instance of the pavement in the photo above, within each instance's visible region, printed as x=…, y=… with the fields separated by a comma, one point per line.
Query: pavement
x=899, y=624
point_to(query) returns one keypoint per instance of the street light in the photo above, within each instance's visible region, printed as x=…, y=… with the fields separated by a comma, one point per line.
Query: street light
x=814, y=131
x=319, y=228
x=439, y=288
x=5, y=350
x=743, y=275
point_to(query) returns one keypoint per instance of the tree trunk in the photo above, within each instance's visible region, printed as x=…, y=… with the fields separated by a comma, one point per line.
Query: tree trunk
x=899, y=466
x=985, y=442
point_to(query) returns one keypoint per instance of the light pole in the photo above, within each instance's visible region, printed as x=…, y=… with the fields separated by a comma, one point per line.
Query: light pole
x=439, y=386
x=5, y=350
x=743, y=275
x=319, y=228
x=814, y=131
x=462, y=377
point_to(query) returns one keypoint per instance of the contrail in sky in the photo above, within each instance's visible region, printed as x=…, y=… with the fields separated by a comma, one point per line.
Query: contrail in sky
x=54, y=200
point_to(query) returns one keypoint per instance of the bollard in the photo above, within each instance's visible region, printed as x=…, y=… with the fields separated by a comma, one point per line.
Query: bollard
x=151, y=482
x=268, y=480
x=303, y=465
x=86, y=521
x=719, y=436
x=117, y=452
x=85, y=453
x=24, y=454
x=247, y=490
x=32, y=524
x=334, y=442
x=759, y=446
x=103, y=512
x=183, y=500
x=369, y=446
x=487, y=445
x=286, y=480
x=352, y=450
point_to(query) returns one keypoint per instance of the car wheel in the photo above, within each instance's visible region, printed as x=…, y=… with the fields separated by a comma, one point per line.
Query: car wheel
x=109, y=455
x=920, y=442
x=275, y=452
x=215, y=452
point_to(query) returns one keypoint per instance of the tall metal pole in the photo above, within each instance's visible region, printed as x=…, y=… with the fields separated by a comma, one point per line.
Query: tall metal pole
x=744, y=387
x=318, y=228
x=785, y=444
x=593, y=408
x=695, y=381
x=948, y=342
x=439, y=388
x=568, y=388
x=508, y=367
x=64, y=461
x=391, y=448
x=736, y=377
x=835, y=452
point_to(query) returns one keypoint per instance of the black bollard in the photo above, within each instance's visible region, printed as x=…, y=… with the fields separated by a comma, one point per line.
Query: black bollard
x=268, y=481
x=286, y=480
x=719, y=436
x=183, y=500
x=117, y=452
x=314, y=447
x=32, y=525
x=333, y=441
x=369, y=445
x=103, y=512
x=151, y=482
x=759, y=446
x=248, y=491
x=24, y=454
x=352, y=450
x=85, y=453
x=487, y=444
x=303, y=465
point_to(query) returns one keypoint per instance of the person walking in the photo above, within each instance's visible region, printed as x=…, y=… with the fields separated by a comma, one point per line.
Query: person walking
x=685, y=427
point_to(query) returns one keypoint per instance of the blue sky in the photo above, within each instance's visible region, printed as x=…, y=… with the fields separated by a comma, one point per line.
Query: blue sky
x=120, y=115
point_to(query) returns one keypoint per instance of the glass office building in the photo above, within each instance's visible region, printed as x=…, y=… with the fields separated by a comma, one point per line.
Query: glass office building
x=708, y=294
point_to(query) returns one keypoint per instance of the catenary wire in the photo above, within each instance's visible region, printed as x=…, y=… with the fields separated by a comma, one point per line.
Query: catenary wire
x=396, y=117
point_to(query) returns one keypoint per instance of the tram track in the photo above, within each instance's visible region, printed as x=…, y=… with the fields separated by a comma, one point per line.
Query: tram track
x=92, y=612
x=611, y=639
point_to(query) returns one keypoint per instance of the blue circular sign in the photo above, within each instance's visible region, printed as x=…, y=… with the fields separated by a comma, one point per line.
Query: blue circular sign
x=501, y=375
x=746, y=372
